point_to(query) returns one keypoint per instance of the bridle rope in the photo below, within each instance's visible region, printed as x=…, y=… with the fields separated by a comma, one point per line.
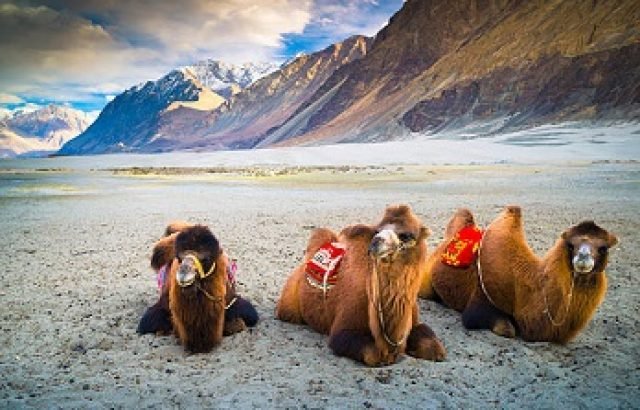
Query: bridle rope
x=375, y=284
x=566, y=308
x=547, y=311
x=482, y=286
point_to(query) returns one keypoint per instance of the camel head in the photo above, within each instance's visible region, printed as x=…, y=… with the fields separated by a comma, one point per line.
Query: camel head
x=397, y=234
x=196, y=250
x=588, y=248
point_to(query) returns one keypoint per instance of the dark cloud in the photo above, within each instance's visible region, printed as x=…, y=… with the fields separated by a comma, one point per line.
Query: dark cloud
x=64, y=49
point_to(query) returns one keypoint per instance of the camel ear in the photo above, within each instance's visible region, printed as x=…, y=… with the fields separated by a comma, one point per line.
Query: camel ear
x=424, y=233
x=612, y=240
x=564, y=235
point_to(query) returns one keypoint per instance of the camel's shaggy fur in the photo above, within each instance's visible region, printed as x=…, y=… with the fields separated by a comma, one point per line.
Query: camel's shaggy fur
x=199, y=314
x=453, y=286
x=349, y=311
x=544, y=299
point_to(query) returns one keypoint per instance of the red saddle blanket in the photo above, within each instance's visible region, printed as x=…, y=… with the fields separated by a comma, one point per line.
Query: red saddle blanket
x=321, y=269
x=462, y=250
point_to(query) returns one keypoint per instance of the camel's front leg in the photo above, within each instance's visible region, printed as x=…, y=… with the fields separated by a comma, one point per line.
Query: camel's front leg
x=422, y=343
x=157, y=318
x=359, y=345
x=240, y=315
x=233, y=326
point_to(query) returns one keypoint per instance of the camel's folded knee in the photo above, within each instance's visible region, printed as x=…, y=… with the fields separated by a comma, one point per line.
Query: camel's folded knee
x=155, y=320
x=244, y=310
x=422, y=343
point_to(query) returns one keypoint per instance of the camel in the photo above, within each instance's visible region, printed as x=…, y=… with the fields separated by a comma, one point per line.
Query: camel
x=370, y=312
x=198, y=299
x=510, y=290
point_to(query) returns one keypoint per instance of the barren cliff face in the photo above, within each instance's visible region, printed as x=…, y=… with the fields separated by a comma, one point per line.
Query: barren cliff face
x=440, y=64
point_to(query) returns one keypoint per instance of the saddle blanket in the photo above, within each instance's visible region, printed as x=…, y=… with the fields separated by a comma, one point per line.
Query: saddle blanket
x=462, y=250
x=322, y=268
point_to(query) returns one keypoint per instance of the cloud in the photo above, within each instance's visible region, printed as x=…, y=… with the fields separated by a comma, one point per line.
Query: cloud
x=334, y=20
x=84, y=51
x=10, y=99
x=62, y=50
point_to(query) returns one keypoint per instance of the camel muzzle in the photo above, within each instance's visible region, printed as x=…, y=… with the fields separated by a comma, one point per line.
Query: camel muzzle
x=583, y=261
x=186, y=274
x=191, y=268
x=385, y=244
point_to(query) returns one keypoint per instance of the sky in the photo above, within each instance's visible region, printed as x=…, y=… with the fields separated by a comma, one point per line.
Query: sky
x=81, y=53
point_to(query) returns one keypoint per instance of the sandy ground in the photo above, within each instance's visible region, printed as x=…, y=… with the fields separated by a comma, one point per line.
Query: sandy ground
x=76, y=280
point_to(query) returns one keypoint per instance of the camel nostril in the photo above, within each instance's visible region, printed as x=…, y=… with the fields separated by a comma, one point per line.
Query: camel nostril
x=185, y=275
x=583, y=264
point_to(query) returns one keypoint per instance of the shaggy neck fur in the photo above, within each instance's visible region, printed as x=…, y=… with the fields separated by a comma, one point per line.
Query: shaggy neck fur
x=397, y=284
x=570, y=305
x=197, y=319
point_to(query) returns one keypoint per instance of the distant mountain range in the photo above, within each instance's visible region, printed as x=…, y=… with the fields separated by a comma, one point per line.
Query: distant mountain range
x=467, y=66
x=40, y=132
x=134, y=120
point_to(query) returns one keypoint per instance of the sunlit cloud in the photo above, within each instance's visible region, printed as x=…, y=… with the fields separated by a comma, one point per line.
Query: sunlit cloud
x=10, y=99
x=86, y=51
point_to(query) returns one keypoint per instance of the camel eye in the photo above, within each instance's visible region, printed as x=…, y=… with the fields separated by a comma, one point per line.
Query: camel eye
x=570, y=247
x=603, y=250
x=406, y=237
x=206, y=262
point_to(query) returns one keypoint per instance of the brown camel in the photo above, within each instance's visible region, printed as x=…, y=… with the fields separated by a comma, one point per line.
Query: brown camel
x=198, y=301
x=511, y=290
x=370, y=313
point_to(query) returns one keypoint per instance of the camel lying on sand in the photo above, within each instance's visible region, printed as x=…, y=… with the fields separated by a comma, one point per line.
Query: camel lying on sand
x=198, y=299
x=369, y=308
x=510, y=290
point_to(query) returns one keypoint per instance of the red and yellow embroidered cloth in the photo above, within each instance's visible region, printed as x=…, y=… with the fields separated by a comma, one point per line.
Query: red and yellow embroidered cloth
x=321, y=269
x=462, y=250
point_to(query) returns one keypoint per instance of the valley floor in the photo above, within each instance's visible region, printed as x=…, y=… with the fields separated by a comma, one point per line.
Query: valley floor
x=76, y=280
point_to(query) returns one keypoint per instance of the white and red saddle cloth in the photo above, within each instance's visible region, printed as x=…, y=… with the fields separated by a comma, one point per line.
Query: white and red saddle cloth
x=322, y=269
x=463, y=248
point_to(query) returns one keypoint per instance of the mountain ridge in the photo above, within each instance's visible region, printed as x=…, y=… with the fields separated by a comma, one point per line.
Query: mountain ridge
x=40, y=131
x=436, y=67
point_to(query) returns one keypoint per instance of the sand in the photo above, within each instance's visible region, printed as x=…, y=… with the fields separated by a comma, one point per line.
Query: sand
x=76, y=280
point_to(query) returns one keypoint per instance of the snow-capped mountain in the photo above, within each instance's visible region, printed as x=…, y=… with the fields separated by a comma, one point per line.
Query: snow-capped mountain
x=228, y=79
x=134, y=118
x=45, y=129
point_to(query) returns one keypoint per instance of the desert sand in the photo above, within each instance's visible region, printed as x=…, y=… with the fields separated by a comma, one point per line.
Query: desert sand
x=76, y=246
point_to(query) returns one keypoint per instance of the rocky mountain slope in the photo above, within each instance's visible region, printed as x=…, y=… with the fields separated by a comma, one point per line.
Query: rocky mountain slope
x=42, y=130
x=265, y=105
x=131, y=122
x=464, y=67
x=483, y=66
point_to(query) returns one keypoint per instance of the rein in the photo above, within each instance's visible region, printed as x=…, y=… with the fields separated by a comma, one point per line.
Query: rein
x=482, y=286
x=216, y=298
x=375, y=284
x=567, y=306
x=547, y=311
x=203, y=275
